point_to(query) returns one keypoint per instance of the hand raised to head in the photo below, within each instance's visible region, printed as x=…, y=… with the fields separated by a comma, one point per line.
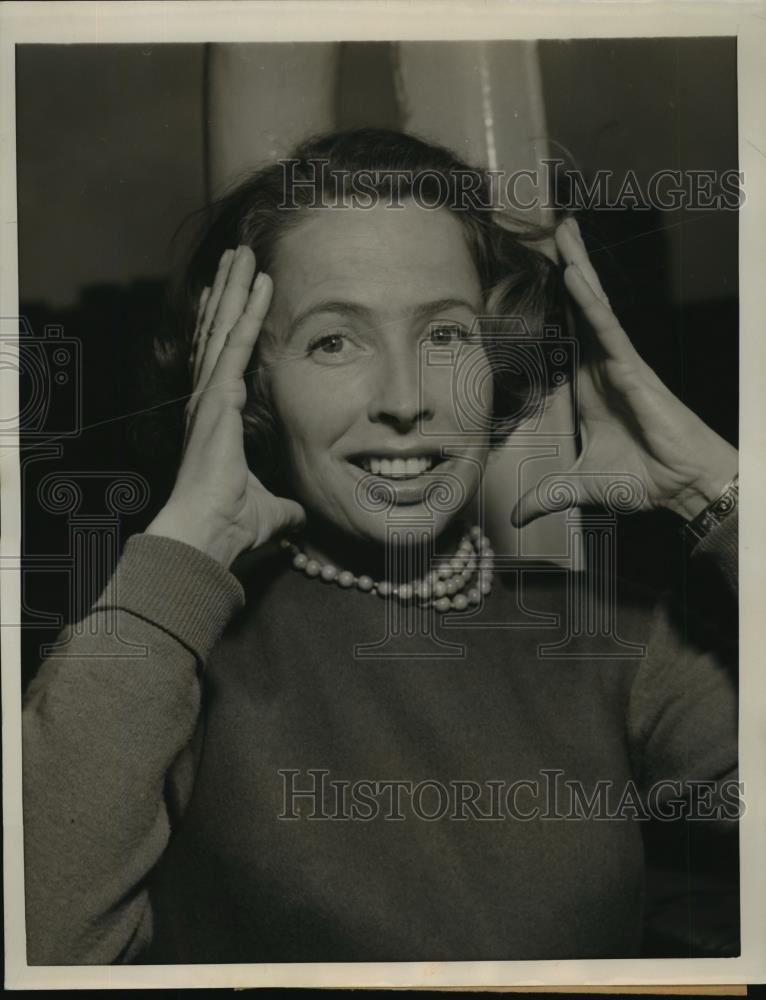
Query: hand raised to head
x=633, y=429
x=217, y=504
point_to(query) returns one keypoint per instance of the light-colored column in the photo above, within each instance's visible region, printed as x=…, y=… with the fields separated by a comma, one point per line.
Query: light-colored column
x=484, y=101
x=263, y=98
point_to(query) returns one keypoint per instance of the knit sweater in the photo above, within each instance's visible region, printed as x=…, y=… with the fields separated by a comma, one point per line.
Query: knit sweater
x=257, y=768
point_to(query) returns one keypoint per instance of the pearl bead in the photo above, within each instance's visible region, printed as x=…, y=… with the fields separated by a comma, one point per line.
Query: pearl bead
x=442, y=585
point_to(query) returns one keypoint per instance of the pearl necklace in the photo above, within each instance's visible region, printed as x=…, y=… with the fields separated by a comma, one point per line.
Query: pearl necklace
x=443, y=587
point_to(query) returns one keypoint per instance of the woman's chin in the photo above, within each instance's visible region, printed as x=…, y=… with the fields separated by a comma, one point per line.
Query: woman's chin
x=410, y=525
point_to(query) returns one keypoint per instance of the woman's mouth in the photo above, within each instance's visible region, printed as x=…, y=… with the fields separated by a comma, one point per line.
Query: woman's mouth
x=396, y=468
x=411, y=478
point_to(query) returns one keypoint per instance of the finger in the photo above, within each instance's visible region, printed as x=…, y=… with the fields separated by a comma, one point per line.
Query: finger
x=239, y=345
x=291, y=515
x=554, y=493
x=225, y=384
x=283, y=515
x=201, y=307
x=572, y=250
x=294, y=515
x=232, y=302
x=219, y=283
x=195, y=357
x=527, y=509
x=209, y=318
x=601, y=319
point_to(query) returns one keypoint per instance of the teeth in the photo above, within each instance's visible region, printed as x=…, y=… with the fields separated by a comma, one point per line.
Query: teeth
x=412, y=466
x=397, y=468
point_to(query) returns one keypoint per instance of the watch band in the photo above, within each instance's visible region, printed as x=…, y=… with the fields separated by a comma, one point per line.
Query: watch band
x=713, y=514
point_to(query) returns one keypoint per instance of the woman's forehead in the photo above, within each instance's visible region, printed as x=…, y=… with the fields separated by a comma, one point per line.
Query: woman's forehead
x=383, y=255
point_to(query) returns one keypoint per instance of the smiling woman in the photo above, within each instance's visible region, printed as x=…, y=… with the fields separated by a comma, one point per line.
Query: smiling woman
x=293, y=596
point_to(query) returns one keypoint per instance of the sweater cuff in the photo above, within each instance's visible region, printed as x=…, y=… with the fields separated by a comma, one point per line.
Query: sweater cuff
x=721, y=547
x=175, y=587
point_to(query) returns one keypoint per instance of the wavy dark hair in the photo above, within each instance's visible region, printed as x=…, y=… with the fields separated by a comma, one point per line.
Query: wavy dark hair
x=517, y=277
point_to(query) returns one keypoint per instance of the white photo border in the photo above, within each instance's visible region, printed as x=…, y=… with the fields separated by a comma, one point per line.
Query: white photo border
x=315, y=20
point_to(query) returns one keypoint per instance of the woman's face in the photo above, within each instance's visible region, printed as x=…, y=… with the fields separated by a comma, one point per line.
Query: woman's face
x=369, y=351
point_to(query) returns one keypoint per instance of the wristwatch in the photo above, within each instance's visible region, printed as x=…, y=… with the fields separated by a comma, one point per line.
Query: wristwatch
x=713, y=514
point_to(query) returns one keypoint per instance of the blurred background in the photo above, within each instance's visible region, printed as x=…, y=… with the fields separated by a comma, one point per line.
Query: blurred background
x=117, y=144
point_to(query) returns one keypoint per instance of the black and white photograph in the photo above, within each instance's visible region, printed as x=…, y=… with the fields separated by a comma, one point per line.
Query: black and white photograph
x=376, y=395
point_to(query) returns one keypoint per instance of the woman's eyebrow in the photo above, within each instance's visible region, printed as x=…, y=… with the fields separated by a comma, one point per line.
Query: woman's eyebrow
x=344, y=307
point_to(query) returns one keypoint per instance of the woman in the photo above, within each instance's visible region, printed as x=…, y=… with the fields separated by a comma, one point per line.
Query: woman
x=265, y=780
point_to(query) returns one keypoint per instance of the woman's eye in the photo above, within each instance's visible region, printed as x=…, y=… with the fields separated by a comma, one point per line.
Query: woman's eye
x=337, y=347
x=447, y=333
x=329, y=343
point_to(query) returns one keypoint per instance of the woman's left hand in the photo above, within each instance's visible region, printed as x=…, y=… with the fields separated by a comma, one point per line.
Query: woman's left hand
x=631, y=425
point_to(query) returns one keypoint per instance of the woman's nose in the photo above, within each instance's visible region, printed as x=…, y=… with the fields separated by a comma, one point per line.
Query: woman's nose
x=400, y=398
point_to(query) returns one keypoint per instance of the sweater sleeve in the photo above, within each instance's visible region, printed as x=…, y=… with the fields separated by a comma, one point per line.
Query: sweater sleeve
x=103, y=722
x=682, y=711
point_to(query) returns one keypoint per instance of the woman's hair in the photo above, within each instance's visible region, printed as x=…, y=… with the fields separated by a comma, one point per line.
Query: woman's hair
x=517, y=278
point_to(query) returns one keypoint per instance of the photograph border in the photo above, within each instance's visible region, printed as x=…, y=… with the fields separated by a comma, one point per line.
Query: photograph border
x=317, y=20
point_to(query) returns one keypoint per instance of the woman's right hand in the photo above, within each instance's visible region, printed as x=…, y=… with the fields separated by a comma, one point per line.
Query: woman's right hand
x=217, y=504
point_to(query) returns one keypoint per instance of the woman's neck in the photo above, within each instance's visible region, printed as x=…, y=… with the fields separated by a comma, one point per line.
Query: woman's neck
x=406, y=556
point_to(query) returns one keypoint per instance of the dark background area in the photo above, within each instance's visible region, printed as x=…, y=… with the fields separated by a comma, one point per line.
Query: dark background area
x=111, y=158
